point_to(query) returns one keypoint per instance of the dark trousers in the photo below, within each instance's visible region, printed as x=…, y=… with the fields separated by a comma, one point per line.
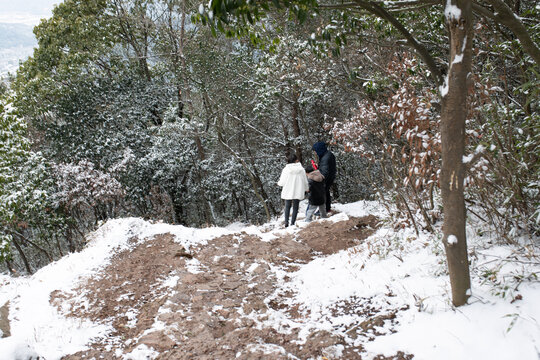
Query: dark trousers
x=295, y=203
x=328, y=199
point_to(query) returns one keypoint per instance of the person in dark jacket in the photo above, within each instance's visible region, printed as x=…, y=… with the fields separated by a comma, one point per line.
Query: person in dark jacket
x=327, y=167
x=317, y=193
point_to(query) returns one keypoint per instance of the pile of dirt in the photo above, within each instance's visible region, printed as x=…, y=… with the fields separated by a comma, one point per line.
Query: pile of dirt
x=224, y=291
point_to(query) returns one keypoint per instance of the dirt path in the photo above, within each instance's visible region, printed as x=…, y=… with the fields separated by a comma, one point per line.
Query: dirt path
x=222, y=296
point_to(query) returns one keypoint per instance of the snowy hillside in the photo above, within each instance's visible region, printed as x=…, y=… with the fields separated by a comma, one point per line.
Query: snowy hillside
x=343, y=288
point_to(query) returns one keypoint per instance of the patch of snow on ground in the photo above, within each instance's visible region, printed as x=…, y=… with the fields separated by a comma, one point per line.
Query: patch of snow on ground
x=392, y=270
x=37, y=327
x=413, y=270
x=141, y=352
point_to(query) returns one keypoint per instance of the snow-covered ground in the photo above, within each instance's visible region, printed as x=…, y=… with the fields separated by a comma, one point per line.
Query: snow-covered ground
x=396, y=269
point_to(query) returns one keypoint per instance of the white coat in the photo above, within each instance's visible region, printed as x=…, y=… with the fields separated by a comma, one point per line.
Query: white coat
x=294, y=181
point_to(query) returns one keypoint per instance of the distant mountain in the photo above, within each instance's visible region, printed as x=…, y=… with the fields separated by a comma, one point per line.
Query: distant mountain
x=16, y=43
x=15, y=35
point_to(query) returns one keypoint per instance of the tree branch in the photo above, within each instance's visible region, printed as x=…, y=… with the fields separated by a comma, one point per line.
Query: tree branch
x=504, y=15
x=420, y=49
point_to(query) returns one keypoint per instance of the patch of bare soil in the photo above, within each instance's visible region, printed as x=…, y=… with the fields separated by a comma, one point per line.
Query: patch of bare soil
x=220, y=312
x=5, y=330
x=328, y=238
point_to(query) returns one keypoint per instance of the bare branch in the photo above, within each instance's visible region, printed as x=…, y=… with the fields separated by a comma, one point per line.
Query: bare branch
x=420, y=49
x=505, y=16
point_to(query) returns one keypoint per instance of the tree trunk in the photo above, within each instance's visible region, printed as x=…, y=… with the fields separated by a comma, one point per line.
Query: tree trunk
x=185, y=72
x=175, y=59
x=69, y=238
x=256, y=186
x=296, y=125
x=10, y=267
x=130, y=36
x=178, y=207
x=454, y=111
x=24, y=239
x=283, y=123
x=23, y=256
x=180, y=110
x=256, y=176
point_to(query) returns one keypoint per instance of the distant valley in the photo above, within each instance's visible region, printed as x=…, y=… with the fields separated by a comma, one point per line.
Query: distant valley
x=16, y=43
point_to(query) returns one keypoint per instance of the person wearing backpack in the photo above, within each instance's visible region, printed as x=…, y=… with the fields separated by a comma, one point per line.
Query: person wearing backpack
x=327, y=167
x=294, y=181
x=317, y=193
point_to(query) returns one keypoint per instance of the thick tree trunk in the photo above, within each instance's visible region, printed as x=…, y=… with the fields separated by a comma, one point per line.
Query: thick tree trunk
x=454, y=112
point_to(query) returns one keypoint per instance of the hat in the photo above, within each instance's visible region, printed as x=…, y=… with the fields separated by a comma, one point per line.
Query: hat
x=320, y=148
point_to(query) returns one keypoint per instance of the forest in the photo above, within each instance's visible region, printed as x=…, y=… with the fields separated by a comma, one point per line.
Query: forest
x=183, y=112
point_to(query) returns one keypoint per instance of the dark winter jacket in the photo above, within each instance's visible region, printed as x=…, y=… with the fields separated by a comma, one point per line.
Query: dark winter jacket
x=317, y=192
x=327, y=161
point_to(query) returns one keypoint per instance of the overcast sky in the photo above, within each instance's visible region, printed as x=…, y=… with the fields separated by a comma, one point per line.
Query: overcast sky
x=26, y=11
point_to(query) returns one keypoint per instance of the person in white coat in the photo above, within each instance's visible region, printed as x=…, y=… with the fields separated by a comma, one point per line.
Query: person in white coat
x=294, y=181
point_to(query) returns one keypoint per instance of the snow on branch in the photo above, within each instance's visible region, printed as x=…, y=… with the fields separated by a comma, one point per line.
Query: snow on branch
x=452, y=12
x=81, y=185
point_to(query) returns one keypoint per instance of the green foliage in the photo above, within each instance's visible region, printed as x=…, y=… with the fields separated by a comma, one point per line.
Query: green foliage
x=13, y=149
x=25, y=186
x=73, y=44
x=78, y=31
x=244, y=18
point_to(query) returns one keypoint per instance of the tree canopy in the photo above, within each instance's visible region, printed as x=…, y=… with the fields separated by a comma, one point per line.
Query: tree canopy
x=184, y=112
